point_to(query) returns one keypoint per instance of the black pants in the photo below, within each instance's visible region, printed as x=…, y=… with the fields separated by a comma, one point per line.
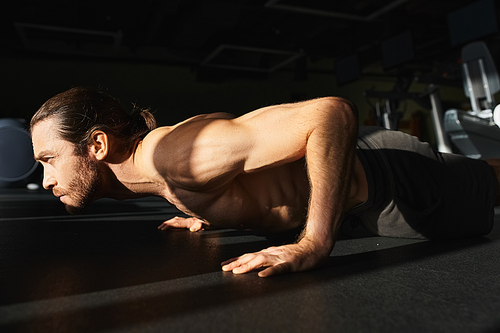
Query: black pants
x=416, y=192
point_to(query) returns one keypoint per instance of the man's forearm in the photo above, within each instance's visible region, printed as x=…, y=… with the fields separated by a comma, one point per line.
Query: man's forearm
x=330, y=157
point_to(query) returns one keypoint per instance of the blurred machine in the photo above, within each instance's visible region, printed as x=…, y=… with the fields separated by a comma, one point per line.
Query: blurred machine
x=18, y=167
x=475, y=133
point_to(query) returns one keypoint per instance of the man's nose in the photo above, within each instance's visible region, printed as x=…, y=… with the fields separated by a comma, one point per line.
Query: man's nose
x=49, y=181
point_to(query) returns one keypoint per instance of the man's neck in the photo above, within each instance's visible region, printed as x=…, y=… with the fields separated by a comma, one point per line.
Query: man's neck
x=125, y=177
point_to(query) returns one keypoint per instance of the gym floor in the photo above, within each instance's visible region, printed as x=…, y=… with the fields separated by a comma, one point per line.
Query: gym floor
x=112, y=270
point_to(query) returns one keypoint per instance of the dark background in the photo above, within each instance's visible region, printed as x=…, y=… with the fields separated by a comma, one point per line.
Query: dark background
x=184, y=57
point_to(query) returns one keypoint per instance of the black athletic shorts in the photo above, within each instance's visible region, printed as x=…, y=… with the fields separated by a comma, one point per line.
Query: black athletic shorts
x=416, y=192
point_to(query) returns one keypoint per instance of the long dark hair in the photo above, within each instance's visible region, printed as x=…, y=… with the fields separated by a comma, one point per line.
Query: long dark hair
x=80, y=111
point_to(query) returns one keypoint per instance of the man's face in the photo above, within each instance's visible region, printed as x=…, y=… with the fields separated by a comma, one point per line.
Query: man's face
x=74, y=179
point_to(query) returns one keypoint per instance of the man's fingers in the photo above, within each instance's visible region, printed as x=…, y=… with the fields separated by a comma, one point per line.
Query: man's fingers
x=177, y=222
x=227, y=262
x=231, y=264
x=253, y=264
x=250, y=262
x=275, y=270
x=196, y=226
x=246, y=263
x=275, y=260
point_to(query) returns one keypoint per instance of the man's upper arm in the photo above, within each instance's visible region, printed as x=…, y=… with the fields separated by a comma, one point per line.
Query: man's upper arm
x=213, y=151
x=279, y=134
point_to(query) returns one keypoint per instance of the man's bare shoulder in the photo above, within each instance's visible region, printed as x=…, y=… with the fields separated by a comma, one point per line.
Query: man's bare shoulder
x=200, y=117
x=157, y=135
x=178, y=152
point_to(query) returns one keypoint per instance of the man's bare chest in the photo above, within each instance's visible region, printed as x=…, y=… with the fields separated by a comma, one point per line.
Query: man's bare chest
x=271, y=199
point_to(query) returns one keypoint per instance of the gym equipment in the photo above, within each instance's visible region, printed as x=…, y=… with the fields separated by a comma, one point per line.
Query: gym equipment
x=17, y=164
x=429, y=99
x=475, y=133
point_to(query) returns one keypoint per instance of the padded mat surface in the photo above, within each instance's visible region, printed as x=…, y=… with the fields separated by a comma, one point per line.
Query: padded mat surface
x=110, y=269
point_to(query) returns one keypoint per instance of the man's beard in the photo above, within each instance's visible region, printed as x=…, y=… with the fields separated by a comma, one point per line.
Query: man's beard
x=83, y=187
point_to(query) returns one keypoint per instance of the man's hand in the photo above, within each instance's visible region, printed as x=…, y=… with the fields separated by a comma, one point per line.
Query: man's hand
x=301, y=256
x=191, y=223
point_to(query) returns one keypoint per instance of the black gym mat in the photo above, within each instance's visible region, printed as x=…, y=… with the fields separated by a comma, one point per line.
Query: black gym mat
x=110, y=269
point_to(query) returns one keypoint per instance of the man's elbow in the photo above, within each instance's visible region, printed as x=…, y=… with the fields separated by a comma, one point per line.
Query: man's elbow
x=343, y=108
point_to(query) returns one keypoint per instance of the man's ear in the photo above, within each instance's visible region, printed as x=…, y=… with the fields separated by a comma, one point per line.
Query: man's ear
x=99, y=145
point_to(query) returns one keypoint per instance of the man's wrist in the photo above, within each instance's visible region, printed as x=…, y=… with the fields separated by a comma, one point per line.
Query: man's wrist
x=319, y=243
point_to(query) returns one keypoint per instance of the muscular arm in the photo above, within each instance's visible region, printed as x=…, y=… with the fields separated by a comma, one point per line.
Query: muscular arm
x=330, y=156
x=329, y=147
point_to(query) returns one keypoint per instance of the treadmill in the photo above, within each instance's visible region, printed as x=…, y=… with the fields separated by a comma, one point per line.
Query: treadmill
x=476, y=133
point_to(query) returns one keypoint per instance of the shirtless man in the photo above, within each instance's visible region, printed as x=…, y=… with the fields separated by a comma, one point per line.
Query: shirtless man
x=276, y=168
